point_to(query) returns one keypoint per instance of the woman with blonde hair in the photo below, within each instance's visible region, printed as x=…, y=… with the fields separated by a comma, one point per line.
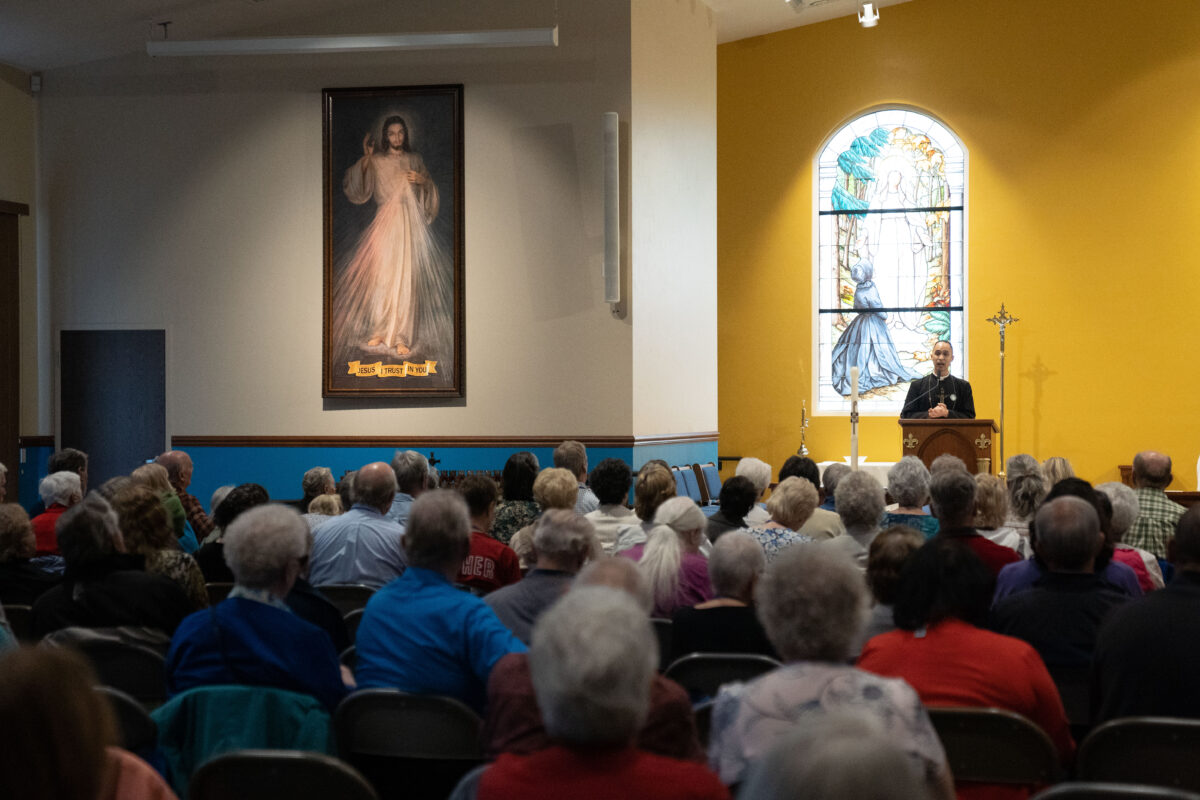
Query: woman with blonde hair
x=1056, y=468
x=147, y=532
x=154, y=477
x=991, y=512
x=554, y=487
x=670, y=560
x=790, y=505
x=654, y=486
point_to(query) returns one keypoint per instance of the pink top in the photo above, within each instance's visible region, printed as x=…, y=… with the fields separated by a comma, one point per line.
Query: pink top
x=694, y=585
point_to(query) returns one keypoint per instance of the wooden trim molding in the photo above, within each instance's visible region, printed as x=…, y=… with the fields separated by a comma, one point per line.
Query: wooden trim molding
x=16, y=209
x=35, y=441
x=183, y=442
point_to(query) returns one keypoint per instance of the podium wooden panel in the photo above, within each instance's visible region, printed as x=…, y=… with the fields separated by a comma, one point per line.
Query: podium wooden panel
x=969, y=439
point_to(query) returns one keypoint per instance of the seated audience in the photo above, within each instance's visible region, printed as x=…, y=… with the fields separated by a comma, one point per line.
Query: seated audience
x=346, y=489
x=945, y=462
x=147, y=532
x=727, y=623
x=953, y=500
x=1124, y=504
x=821, y=524
x=517, y=508
x=790, y=506
x=219, y=494
x=21, y=581
x=888, y=554
x=211, y=555
x=812, y=602
x=991, y=512
x=154, y=476
x=670, y=560
x=252, y=637
x=66, y=460
x=942, y=652
x=592, y=661
x=316, y=482
x=735, y=501
x=59, y=491
x=1057, y=468
x=321, y=509
x=1026, y=488
x=514, y=724
x=1022, y=575
x=572, y=455
x=1157, y=515
x=179, y=474
x=414, y=476
x=1147, y=655
x=844, y=756
x=908, y=484
x=655, y=485
x=420, y=634
x=554, y=487
x=759, y=473
x=860, y=505
x=562, y=542
x=490, y=564
x=362, y=545
x=103, y=586
x=1062, y=613
x=611, y=480
x=829, y=481
x=114, y=486
x=64, y=747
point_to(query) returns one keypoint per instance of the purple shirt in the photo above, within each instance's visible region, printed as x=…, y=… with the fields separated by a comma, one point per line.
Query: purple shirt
x=694, y=585
x=1022, y=575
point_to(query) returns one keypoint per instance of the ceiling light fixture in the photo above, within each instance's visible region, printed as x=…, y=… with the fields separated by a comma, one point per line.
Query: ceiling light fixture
x=868, y=15
x=286, y=45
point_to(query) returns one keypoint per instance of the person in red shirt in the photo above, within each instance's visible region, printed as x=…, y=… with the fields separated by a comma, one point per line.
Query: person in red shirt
x=952, y=498
x=59, y=491
x=942, y=652
x=490, y=564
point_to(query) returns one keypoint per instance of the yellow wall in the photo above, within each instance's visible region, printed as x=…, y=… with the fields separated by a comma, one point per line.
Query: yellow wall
x=1081, y=124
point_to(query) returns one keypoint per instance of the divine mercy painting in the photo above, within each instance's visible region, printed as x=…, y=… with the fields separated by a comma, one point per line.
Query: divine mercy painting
x=890, y=272
x=393, y=242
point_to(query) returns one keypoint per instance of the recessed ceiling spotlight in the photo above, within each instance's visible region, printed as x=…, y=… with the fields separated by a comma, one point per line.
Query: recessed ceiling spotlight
x=868, y=15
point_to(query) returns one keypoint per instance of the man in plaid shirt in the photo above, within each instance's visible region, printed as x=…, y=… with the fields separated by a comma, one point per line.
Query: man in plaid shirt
x=179, y=473
x=1157, y=515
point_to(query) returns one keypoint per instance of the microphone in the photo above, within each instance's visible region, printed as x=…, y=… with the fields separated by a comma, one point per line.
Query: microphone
x=937, y=382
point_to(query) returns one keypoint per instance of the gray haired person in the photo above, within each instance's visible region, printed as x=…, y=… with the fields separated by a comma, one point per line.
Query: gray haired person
x=908, y=484
x=413, y=478
x=859, y=501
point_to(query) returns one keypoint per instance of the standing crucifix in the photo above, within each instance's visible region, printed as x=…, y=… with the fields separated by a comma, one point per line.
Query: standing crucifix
x=1002, y=319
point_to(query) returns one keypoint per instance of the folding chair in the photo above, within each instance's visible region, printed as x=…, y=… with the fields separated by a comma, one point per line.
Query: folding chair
x=703, y=674
x=1084, y=790
x=662, y=631
x=408, y=745
x=1154, y=751
x=138, y=730
x=992, y=745
x=346, y=596
x=278, y=775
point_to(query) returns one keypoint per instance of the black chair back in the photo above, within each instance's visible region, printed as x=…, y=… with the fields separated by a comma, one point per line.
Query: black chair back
x=352, y=621
x=139, y=733
x=217, y=592
x=702, y=674
x=278, y=775
x=346, y=596
x=20, y=619
x=408, y=746
x=662, y=631
x=1084, y=790
x=138, y=671
x=991, y=745
x=1155, y=751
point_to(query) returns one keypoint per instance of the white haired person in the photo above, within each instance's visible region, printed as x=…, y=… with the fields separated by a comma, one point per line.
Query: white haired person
x=104, y=586
x=592, y=661
x=908, y=484
x=252, y=637
x=758, y=472
x=813, y=602
x=670, y=560
x=727, y=623
x=562, y=542
x=59, y=491
x=790, y=506
x=1124, y=502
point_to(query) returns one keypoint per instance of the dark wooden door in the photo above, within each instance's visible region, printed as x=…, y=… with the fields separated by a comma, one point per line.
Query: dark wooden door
x=10, y=330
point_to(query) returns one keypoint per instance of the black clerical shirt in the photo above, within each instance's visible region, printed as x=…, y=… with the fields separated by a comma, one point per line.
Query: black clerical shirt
x=925, y=393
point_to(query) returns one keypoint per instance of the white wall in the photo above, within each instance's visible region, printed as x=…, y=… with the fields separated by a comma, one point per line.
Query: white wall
x=18, y=159
x=187, y=194
x=674, y=210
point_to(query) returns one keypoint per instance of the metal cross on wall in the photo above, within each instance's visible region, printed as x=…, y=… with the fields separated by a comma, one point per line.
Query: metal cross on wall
x=1002, y=319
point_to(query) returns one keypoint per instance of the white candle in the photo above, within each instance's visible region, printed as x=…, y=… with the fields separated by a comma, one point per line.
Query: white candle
x=853, y=385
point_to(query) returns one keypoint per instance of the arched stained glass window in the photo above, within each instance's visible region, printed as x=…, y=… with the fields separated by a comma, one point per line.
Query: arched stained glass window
x=890, y=267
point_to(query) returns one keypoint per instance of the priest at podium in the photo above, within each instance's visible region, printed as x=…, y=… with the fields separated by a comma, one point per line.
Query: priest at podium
x=939, y=395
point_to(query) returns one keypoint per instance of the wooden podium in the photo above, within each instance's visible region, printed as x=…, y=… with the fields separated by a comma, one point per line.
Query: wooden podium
x=969, y=439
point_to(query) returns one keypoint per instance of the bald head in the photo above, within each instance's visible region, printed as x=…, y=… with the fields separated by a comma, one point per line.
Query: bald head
x=1068, y=534
x=1151, y=470
x=375, y=486
x=179, y=468
x=617, y=573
